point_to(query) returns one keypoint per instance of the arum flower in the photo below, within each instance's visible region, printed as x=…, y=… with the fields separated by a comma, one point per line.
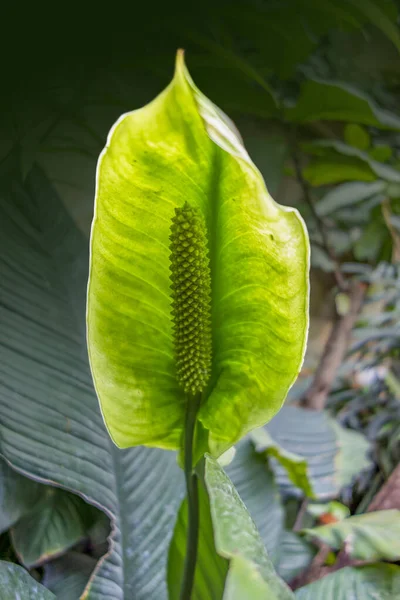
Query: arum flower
x=181, y=153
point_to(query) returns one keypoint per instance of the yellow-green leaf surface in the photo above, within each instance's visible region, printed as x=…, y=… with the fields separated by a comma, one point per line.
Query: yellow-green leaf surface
x=237, y=539
x=373, y=536
x=295, y=465
x=181, y=148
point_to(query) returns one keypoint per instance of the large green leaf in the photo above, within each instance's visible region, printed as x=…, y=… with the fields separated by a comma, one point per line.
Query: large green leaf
x=245, y=581
x=373, y=536
x=181, y=148
x=261, y=498
x=379, y=17
x=338, y=149
x=17, y=584
x=211, y=569
x=235, y=533
x=45, y=521
x=68, y=575
x=380, y=582
x=50, y=424
x=348, y=194
x=58, y=521
x=17, y=495
x=332, y=169
x=295, y=465
x=316, y=438
x=256, y=486
x=325, y=100
x=296, y=555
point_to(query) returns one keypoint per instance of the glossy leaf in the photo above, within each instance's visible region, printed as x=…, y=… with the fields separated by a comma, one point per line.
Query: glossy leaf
x=68, y=575
x=353, y=455
x=255, y=484
x=329, y=148
x=295, y=556
x=372, y=536
x=244, y=580
x=348, y=194
x=323, y=100
x=357, y=136
x=333, y=169
x=314, y=437
x=295, y=465
x=220, y=541
x=379, y=18
x=381, y=153
x=235, y=533
x=50, y=424
x=380, y=582
x=57, y=522
x=17, y=584
x=211, y=569
x=181, y=148
x=17, y=495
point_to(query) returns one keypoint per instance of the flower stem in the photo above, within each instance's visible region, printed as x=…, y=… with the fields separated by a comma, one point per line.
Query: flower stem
x=193, y=403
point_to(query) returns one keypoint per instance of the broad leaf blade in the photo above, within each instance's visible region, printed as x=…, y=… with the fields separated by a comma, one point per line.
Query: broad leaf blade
x=317, y=439
x=256, y=486
x=57, y=522
x=327, y=100
x=296, y=555
x=16, y=583
x=235, y=533
x=244, y=580
x=380, y=582
x=182, y=148
x=373, y=536
x=51, y=427
x=295, y=465
x=211, y=569
x=68, y=575
x=348, y=194
x=17, y=495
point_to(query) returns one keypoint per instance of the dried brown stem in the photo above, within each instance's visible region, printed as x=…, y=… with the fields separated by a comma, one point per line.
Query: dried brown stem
x=335, y=350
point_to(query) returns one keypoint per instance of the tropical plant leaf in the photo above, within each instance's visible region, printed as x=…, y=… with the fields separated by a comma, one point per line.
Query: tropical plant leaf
x=348, y=194
x=235, y=533
x=381, y=153
x=55, y=523
x=68, y=575
x=372, y=536
x=256, y=486
x=312, y=436
x=245, y=581
x=215, y=544
x=336, y=148
x=17, y=584
x=295, y=556
x=211, y=569
x=379, y=17
x=17, y=495
x=333, y=169
x=296, y=466
x=182, y=148
x=307, y=434
x=378, y=582
x=325, y=100
x=357, y=136
x=50, y=424
x=353, y=455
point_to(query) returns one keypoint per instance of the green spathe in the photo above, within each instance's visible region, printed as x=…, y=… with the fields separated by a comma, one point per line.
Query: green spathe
x=180, y=148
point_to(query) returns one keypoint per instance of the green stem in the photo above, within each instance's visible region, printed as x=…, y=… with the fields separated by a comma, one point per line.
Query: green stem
x=193, y=403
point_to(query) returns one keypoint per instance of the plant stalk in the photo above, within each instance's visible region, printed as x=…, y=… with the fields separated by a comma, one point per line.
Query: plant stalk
x=193, y=403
